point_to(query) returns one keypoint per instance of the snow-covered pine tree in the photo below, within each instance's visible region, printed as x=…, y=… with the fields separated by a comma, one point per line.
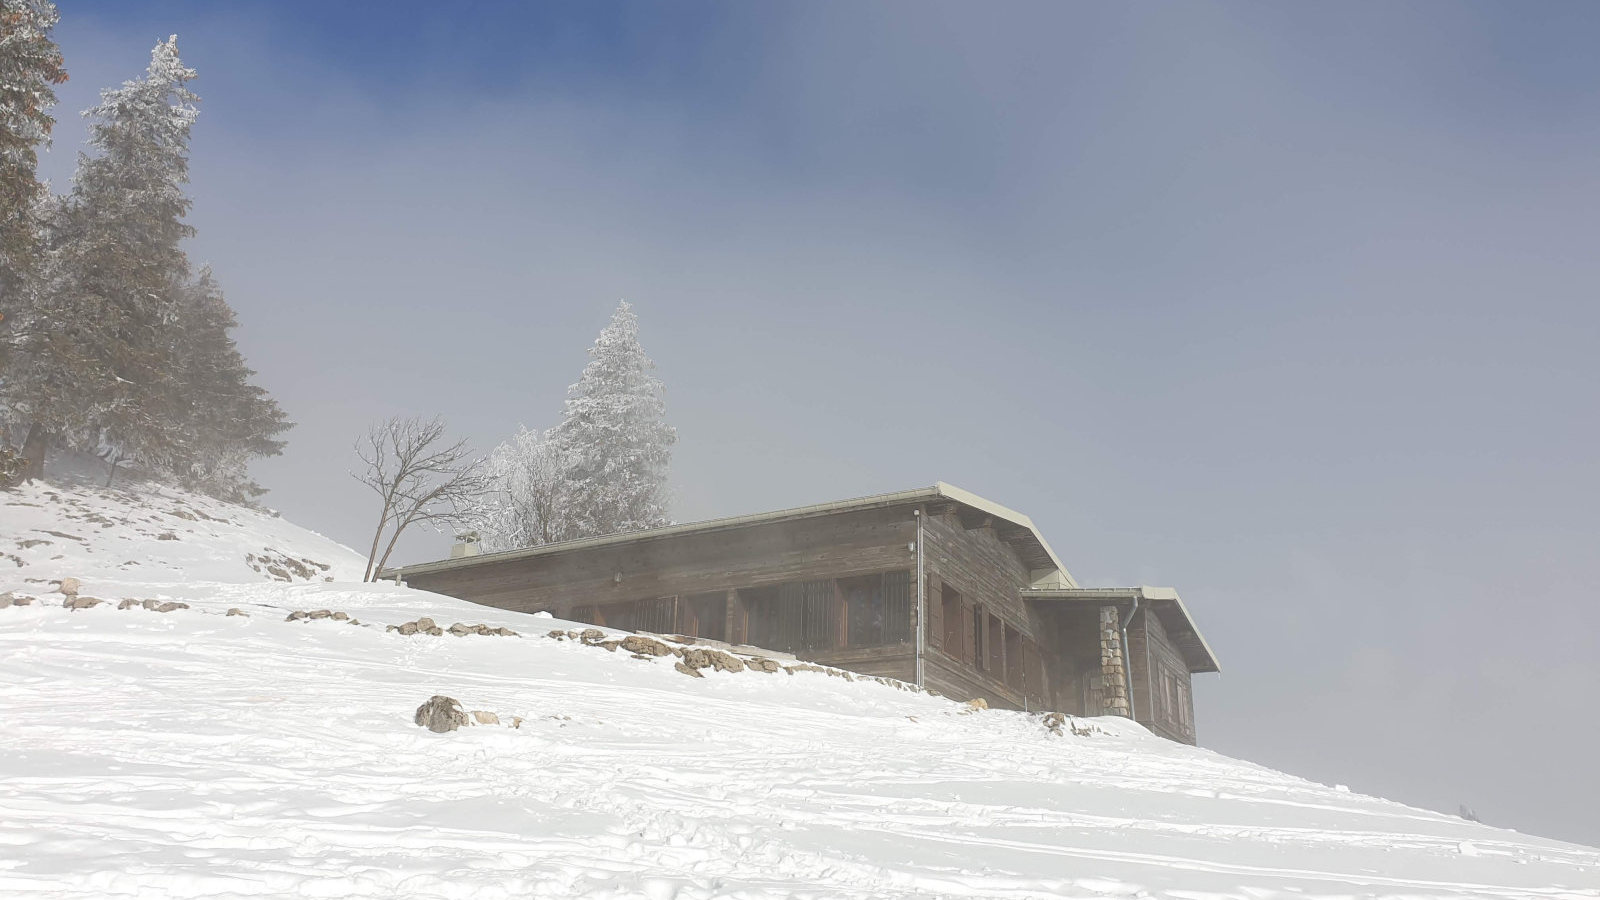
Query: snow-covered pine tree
x=30, y=63
x=130, y=202
x=224, y=421
x=525, y=504
x=95, y=366
x=613, y=443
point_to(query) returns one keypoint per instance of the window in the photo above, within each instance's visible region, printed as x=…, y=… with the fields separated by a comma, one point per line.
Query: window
x=996, y=634
x=799, y=616
x=1013, y=657
x=950, y=610
x=706, y=615
x=866, y=611
x=980, y=658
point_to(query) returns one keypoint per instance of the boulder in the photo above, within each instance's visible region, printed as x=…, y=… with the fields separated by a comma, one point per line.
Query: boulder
x=609, y=645
x=236, y=611
x=127, y=604
x=977, y=703
x=70, y=586
x=320, y=614
x=435, y=631
x=5, y=600
x=558, y=634
x=687, y=669
x=150, y=604
x=591, y=635
x=21, y=600
x=408, y=628
x=459, y=630
x=484, y=717
x=341, y=617
x=695, y=658
x=762, y=664
x=424, y=623
x=76, y=602
x=644, y=646
x=440, y=714
x=724, y=662
x=170, y=606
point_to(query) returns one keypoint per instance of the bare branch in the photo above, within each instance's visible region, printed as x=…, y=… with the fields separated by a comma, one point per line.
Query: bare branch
x=418, y=478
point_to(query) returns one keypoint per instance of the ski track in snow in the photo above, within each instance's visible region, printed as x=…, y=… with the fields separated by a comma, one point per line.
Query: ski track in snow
x=191, y=754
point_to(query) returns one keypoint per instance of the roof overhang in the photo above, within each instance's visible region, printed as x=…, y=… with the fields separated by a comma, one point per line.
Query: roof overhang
x=1163, y=602
x=1046, y=568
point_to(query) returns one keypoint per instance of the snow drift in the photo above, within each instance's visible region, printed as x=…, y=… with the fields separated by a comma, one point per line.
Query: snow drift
x=196, y=753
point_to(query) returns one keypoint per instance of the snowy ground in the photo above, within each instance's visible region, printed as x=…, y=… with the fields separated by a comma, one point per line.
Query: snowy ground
x=193, y=753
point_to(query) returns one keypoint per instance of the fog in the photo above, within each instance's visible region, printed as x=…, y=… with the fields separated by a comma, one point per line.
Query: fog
x=1290, y=308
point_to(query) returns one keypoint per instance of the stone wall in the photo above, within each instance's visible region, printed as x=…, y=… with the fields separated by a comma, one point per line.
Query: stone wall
x=1113, y=665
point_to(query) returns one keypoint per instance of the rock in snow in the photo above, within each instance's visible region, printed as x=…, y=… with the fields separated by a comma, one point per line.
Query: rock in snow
x=441, y=714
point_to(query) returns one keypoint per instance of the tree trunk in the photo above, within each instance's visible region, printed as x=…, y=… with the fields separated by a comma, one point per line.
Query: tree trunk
x=393, y=539
x=33, y=450
x=112, y=472
x=377, y=536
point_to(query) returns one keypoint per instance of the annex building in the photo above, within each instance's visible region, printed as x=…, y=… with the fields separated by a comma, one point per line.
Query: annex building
x=935, y=586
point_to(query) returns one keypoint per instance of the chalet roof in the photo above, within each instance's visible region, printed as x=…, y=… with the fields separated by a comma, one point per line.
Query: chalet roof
x=1164, y=602
x=1010, y=525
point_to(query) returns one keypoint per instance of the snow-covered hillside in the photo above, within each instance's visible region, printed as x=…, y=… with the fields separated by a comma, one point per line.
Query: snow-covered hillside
x=197, y=753
x=148, y=534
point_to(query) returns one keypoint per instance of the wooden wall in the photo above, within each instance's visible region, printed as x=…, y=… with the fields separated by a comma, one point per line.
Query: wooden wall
x=1163, y=696
x=998, y=647
x=865, y=542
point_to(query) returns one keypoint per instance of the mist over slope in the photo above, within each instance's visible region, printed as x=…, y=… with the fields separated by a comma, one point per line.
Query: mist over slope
x=197, y=753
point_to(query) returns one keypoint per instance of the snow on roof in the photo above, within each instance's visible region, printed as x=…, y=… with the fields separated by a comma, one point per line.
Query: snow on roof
x=1047, y=567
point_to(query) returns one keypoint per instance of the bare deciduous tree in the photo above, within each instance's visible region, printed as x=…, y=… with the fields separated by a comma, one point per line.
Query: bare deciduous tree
x=420, y=477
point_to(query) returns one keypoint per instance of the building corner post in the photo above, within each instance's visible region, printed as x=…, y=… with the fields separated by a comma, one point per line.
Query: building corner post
x=922, y=604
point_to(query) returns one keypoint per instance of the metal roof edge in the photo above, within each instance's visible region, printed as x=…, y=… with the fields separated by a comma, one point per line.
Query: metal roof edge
x=817, y=509
x=1142, y=592
x=939, y=489
x=952, y=492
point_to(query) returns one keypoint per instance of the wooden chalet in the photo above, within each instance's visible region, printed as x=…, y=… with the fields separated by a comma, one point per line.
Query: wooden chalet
x=934, y=586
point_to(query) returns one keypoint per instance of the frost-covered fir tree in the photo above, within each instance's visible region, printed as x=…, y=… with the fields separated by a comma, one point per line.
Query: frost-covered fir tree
x=118, y=351
x=526, y=504
x=223, y=420
x=97, y=373
x=126, y=211
x=613, y=444
x=30, y=63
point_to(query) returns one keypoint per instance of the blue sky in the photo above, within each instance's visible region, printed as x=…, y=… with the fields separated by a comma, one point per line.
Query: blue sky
x=1288, y=306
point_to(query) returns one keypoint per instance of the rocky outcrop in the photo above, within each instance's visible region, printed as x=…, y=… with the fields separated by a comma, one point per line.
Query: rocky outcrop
x=76, y=602
x=70, y=586
x=302, y=615
x=460, y=629
x=440, y=714
x=640, y=645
